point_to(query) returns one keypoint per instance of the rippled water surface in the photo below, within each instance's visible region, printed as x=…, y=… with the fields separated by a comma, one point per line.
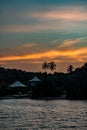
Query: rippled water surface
x=27, y=114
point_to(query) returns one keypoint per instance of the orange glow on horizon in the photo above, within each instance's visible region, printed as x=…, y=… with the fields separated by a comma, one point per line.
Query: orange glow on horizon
x=76, y=54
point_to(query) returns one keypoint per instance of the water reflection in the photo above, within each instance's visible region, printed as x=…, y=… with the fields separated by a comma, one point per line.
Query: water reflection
x=26, y=114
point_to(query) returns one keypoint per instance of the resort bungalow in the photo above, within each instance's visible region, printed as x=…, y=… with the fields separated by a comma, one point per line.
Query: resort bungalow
x=17, y=84
x=34, y=87
x=34, y=82
x=17, y=88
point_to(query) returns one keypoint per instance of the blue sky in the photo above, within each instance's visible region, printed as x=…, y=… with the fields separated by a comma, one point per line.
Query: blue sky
x=34, y=31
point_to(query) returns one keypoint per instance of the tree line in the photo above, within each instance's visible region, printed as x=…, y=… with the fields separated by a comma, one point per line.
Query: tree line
x=73, y=82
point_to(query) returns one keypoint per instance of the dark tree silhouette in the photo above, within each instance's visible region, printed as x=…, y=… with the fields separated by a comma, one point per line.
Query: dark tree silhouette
x=85, y=66
x=70, y=69
x=45, y=66
x=52, y=66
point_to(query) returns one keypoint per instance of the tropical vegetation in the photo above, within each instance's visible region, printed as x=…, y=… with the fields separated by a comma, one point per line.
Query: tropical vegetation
x=73, y=82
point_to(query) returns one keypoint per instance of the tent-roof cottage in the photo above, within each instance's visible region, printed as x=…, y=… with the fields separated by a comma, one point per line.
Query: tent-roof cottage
x=34, y=81
x=17, y=84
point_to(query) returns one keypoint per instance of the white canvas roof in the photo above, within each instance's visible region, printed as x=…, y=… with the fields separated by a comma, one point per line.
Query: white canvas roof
x=17, y=84
x=35, y=79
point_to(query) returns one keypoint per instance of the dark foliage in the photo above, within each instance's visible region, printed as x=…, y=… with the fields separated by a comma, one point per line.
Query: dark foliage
x=52, y=85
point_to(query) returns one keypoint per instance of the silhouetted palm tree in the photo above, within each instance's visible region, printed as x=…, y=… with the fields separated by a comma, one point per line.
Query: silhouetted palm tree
x=52, y=66
x=70, y=69
x=45, y=66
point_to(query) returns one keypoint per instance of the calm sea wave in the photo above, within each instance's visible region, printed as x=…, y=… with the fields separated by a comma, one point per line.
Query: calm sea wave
x=27, y=114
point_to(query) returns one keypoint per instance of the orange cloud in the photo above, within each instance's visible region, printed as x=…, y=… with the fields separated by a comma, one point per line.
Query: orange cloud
x=19, y=28
x=77, y=13
x=27, y=45
x=77, y=16
x=75, y=54
x=28, y=28
x=48, y=20
x=71, y=42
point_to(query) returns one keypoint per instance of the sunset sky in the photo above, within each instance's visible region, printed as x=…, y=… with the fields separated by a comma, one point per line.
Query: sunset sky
x=34, y=31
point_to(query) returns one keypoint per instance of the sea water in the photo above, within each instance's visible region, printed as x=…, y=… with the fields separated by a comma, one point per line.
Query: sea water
x=28, y=114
